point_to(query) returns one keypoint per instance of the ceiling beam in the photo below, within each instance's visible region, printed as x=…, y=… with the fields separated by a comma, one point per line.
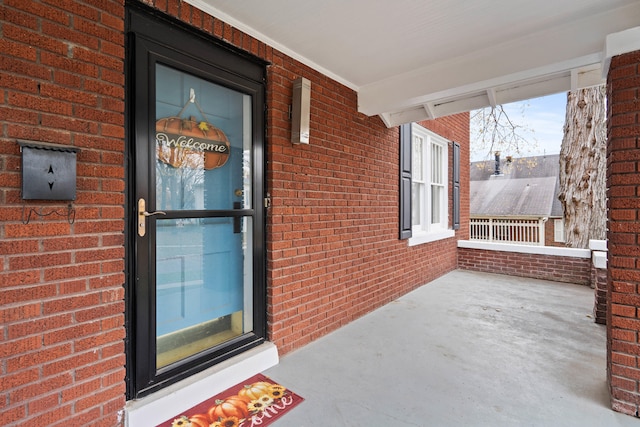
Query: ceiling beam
x=491, y=94
x=514, y=65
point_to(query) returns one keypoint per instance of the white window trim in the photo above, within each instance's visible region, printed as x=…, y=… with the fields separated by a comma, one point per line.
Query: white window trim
x=434, y=232
x=430, y=237
x=558, y=230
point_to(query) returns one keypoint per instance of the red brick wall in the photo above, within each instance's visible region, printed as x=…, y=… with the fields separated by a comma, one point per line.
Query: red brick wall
x=333, y=247
x=61, y=319
x=546, y=267
x=623, y=154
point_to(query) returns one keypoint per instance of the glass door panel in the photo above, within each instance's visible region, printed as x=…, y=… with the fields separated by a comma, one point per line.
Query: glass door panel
x=201, y=267
x=203, y=227
x=203, y=144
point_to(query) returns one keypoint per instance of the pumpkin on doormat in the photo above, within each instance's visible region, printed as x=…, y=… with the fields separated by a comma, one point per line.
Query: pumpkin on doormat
x=257, y=401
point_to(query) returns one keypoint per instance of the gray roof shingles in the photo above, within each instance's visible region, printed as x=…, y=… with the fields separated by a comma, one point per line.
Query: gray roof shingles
x=528, y=186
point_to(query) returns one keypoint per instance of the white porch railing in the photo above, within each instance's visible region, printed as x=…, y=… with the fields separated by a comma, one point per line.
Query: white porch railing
x=518, y=231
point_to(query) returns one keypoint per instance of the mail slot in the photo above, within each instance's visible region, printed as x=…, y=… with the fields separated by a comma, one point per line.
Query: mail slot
x=48, y=171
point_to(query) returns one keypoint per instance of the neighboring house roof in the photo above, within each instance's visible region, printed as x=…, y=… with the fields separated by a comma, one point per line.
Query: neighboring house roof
x=527, y=186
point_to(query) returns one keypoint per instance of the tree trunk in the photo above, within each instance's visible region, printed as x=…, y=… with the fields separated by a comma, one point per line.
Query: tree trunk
x=583, y=167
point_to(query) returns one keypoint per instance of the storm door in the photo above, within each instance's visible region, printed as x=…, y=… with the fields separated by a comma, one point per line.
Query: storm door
x=197, y=207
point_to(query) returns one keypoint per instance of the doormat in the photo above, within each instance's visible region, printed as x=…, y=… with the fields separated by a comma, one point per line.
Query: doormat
x=257, y=401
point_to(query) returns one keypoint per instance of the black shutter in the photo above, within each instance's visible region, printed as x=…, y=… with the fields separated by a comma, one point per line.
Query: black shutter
x=456, y=186
x=405, y=181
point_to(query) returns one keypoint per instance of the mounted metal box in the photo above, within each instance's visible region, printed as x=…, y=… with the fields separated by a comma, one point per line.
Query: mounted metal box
x=48, y=171
x=301, y=111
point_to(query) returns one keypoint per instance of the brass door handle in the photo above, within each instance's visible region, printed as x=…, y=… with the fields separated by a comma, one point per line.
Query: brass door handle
x=145, y=213
x=142, y=215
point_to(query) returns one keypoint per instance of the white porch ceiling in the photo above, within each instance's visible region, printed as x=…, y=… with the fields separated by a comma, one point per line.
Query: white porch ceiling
x=412, y=60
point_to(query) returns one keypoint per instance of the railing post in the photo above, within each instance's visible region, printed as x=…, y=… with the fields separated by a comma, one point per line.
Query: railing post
x=491, y=229
x=541, y=222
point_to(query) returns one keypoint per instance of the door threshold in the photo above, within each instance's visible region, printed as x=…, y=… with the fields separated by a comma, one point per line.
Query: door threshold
x=170, y=401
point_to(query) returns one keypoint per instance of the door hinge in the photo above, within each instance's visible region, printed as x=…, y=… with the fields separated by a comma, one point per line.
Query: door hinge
x=267, y=201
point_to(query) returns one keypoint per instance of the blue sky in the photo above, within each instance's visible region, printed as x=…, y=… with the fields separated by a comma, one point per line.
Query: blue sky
x=544, y=116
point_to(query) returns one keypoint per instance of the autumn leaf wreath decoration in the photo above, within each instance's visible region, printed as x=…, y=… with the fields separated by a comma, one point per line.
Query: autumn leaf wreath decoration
x=255, y=400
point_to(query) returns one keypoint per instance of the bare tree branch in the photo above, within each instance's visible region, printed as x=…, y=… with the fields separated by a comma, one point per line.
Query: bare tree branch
x=493, y=130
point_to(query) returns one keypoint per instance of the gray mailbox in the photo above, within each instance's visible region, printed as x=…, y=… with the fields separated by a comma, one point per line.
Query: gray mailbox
x=48, y=171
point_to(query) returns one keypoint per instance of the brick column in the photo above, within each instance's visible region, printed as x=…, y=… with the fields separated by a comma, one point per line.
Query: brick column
x=599, y=283
x=623, y=278
x=599, y=279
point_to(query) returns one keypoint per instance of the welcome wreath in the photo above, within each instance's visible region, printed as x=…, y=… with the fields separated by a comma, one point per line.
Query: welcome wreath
x=186, y=142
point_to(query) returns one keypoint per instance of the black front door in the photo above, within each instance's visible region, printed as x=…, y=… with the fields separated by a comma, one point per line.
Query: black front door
x=196, y=294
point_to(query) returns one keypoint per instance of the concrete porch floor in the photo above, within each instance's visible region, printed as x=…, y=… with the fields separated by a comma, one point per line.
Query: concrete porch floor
x=468, y=349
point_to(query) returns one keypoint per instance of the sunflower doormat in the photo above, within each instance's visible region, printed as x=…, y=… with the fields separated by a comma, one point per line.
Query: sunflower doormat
x=257, y=401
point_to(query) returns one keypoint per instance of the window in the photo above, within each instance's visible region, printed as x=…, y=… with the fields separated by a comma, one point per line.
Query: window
x=424, y=170
x=558, y=232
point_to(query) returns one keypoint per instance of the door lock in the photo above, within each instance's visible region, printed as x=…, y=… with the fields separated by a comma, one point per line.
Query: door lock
x=142, y=217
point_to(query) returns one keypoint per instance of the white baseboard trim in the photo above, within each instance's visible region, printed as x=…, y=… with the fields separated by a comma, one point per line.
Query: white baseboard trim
x=526, y=249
